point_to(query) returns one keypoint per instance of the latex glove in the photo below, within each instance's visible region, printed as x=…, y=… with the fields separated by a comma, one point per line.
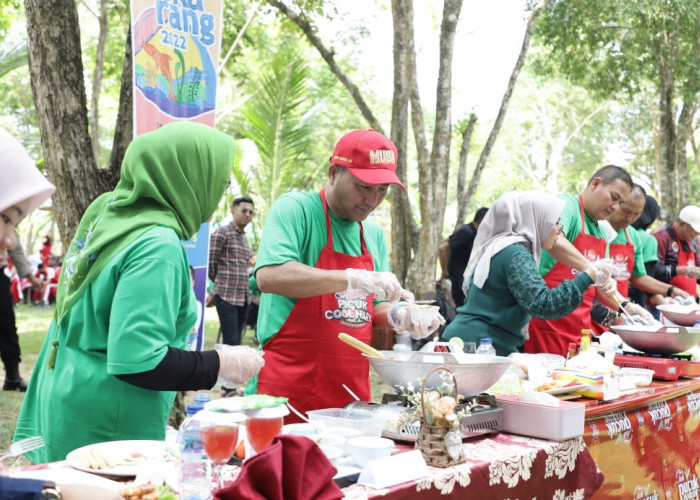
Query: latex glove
x=384, y=286
x=637, y=310
x=400, y=320
x=693, y=272
x=608, y=287
x=238, y=363
x=600, y=270
x=684, y=301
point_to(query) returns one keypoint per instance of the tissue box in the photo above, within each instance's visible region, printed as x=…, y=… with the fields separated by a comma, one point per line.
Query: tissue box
x=604, y=386
x=557, y=423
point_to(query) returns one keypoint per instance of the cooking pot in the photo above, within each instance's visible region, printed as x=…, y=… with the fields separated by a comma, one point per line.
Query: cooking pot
x=656, y=339
x=680, y=315
x=474, y=372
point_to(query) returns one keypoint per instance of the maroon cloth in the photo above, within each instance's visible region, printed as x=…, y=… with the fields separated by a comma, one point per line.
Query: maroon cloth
x=290, y=468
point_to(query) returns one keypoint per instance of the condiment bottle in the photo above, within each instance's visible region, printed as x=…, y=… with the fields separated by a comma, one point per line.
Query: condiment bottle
x=585, y=340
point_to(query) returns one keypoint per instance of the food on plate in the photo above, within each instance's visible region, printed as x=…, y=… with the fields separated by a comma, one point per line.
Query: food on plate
x=93, y=457
x=140, y=491
x=555, y=384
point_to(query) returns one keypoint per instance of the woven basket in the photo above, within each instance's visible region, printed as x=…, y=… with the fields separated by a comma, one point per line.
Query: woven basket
x=431, y=438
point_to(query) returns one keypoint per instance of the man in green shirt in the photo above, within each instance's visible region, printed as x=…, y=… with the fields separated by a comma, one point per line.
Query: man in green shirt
x=606, y=189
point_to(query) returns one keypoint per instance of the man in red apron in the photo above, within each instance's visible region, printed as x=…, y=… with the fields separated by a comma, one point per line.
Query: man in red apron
x=679, y=263
x=625, y=250
x=608, y=187
x=323, y=269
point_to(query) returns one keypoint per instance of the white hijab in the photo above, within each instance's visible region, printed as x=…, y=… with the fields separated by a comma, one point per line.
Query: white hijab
x=19, y=177
x=525, y=217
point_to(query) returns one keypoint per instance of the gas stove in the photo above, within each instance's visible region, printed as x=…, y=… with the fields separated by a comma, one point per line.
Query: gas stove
x=485, y=417
x=666, y=367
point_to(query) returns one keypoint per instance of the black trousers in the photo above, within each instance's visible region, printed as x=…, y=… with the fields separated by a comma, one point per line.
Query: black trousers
x=9, y=342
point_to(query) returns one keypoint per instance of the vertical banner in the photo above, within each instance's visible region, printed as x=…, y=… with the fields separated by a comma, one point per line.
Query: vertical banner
x=175, y=50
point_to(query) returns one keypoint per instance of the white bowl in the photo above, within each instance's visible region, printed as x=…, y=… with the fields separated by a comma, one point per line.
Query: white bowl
x=333, y=453
x=638, y=377
x=366, y=448
x=302, y=429
x=423, y=311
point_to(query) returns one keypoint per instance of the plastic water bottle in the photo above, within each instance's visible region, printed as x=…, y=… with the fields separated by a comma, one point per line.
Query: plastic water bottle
x=194, y=481
x=486, y=347
x=200, y=398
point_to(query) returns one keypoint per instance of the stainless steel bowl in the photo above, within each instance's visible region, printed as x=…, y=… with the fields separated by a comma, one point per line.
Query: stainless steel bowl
x=666, y=340
x=476, y=374
x=682, y=316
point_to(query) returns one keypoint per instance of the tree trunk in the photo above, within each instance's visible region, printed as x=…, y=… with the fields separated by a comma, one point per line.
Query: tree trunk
x=433, y=174
x=402, y=222
x=467, y=132
x=476, y=177
x=97, y=80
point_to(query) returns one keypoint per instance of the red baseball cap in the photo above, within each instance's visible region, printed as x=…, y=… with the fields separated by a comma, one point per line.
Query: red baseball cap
x=369, y=156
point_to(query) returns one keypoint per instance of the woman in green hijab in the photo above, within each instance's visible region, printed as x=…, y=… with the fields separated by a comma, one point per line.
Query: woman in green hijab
x=114, y=354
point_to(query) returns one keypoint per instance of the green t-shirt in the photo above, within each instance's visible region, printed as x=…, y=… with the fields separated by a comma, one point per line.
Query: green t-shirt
x=571, y=222
x=123, y=322
x=295, y=230
x=648, y=243
x=638, y=269
x=513, y=291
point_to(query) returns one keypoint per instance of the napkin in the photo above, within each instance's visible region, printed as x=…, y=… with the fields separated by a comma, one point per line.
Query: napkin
x=290, y=468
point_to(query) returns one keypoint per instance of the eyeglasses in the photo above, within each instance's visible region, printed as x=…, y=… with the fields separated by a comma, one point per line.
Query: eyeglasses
x=559, y=227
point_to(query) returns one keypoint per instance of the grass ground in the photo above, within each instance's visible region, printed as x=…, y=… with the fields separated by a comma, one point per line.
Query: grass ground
x=32, y=325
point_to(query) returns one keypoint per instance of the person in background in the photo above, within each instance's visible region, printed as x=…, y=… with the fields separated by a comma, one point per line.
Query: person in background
x=115, y=353
x=606, y=189
x=323, y=269
x=454, y=253
x=502, y=283
x=9, y=341
x=649, y=247
x=22, y=189
x=626, y=251
x=229, y=257
x=678, y=262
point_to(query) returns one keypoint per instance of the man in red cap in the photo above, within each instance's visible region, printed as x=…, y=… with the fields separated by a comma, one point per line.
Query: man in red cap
x=323, y=269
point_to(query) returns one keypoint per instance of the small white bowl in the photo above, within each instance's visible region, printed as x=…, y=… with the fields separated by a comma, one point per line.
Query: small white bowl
x=423, y=311
x=366, y=448
x=302, y=429
x=333, y=453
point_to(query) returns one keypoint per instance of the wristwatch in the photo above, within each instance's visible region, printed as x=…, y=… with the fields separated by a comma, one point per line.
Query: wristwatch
x=50, y=491
x=669, y=292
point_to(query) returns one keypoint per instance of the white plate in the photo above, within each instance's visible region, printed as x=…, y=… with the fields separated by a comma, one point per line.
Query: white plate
x=127, y=456
x=566, y=389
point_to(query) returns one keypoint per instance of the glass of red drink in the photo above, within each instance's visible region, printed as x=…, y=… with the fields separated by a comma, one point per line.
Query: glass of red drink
x=219, y=433
x=262, y=426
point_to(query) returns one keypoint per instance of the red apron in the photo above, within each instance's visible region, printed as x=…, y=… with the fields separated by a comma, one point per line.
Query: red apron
x=553, y=336
x=685, y=258
x=305, y=361
x=622, y=255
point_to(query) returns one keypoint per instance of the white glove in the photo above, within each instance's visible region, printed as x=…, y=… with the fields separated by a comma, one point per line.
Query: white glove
x=637, y=310
x=238, y=363
x=608, y=287
x=384, y=286
x=601, y=270
x=684, y=301
x=400, y=320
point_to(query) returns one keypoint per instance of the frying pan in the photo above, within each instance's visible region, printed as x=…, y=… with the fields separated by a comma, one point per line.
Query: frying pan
x=680, y=315
x=658, y=339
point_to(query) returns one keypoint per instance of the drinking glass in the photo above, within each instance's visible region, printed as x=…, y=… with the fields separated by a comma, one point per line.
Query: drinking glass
x=262, y=426
x=219, y=432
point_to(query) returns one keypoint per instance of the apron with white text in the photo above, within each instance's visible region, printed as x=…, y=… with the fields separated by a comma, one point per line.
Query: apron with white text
x=553, y=336
x=305, y=361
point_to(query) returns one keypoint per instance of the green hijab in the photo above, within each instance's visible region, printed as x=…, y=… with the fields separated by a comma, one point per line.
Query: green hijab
x=174, y=176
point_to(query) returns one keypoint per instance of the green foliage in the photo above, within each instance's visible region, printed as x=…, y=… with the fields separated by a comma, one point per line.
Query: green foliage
x=278, y=120
x=613, y=47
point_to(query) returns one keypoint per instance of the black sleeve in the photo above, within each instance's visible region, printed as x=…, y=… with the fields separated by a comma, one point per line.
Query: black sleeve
x=603, y=315
x=179, y=370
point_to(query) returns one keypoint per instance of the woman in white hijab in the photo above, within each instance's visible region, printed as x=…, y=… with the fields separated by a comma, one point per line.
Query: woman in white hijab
x=502, y=283
x=22, y=189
